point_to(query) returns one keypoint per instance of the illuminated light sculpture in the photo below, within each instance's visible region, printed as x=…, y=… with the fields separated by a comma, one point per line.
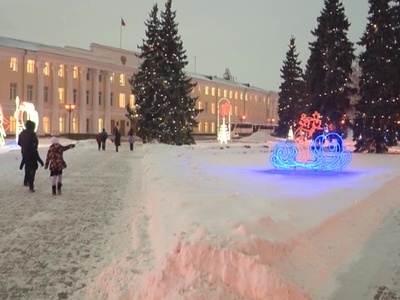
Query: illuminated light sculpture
x=325, y=152
x=224, y=132
x=3, y=122
x=22, y=108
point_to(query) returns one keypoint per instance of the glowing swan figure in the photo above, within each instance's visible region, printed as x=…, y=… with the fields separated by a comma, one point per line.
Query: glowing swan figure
x=31, y=114
x=2, y=130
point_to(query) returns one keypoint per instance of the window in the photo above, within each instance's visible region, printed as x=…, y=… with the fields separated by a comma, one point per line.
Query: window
x=122, y=80
x=205, y=127
x=74, y=95
x=61, y=95
x=219, y=92
x=75, y=72
x=213, y=108
x=46, y=125
x=213, y=91
x=29, y=92
x=46, y=69
x=60, y=125
x=30, y=66
x=87, y=97
x=199, y=88
x=199, y=127
x=111, y=99
x=14, y=64
x=230, y=94
x=213, y=127
x=46, y=94
x=99, y=98
x=100, y=76
x=122, y=100
x=206, y=90
x=225, y=93
x=112, y=78
x=198, y=104
x=132, y=101
x=13, y=91
x=236, y=95
x=61, y=71
x=206, y=107
x=88, y=75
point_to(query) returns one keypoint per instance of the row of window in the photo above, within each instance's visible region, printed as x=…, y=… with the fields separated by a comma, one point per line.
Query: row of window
x=30, y=69
x=228, y=94
x=61, y=95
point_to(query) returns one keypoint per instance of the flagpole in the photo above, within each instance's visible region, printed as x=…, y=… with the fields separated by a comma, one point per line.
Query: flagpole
x=122, y=24
x=120, y=36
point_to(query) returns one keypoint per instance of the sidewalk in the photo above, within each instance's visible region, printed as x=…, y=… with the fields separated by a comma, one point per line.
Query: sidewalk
x=52, y=247
x=376, y=274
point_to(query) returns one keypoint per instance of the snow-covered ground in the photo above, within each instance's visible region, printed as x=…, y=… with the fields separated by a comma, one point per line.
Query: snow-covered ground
x=198, y=222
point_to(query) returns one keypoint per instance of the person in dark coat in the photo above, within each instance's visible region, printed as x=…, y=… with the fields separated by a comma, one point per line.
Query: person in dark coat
x=117, y=138
x=55, y=162
x=131, y=139
x=98, y=140
x=30, y=161
x=28, y=141
x=104, y=136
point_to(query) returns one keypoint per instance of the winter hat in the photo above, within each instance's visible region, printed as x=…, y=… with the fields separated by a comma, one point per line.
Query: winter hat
x=54, y=140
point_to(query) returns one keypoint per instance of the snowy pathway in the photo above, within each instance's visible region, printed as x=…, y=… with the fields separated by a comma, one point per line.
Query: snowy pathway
x=69, y=246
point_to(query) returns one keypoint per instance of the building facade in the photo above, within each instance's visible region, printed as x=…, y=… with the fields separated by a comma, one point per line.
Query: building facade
x=95, y=83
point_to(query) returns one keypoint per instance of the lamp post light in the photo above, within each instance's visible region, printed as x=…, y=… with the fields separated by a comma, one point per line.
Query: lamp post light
x=271, y=121
x=70, y=108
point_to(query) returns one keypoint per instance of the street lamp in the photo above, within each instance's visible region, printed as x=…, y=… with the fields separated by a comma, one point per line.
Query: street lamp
x=271, y=121
x=70, y=108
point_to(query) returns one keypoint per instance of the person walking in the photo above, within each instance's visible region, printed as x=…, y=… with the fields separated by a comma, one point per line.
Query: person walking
x=28, y=141
x=104, y=136
x=131, y=139
x=98, y=140
x=117, y=138
x=30, y=161
x=55, y=162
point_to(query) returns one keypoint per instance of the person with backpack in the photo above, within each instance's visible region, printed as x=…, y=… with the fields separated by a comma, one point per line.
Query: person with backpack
x=104, y=136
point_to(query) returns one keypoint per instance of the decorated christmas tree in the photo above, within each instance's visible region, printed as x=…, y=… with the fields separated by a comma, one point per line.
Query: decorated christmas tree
x=146, y=83
x=329, y=66
x=291, y=96
x=377, y=123
x=166, y=112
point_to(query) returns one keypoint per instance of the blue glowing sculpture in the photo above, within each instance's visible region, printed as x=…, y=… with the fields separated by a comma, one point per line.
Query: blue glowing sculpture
x=325, y=152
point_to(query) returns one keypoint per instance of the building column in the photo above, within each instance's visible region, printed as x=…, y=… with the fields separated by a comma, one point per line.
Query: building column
x=69, y=93
x=40, y=100
x=55, y=106
x=82, y=101
x=95, y=98
x=107, y=103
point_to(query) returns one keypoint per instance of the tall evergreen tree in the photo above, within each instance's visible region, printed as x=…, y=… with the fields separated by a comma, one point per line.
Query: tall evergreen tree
x=146, y=83
x=291, y=96
x=173, y=96
x=329, y=66
x=376, y=126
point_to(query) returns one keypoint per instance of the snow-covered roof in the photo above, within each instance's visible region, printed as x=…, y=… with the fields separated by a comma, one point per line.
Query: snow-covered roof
x=223, y=81
x=10, y=42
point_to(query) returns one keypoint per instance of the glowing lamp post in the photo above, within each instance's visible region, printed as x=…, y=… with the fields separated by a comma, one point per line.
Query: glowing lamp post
x=271, y=121
x=70, y=108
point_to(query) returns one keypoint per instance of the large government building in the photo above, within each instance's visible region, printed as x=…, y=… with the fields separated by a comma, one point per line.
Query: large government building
x=81, y=91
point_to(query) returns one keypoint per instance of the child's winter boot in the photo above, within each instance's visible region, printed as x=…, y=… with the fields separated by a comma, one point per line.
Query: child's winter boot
x=54, y=189
x=59, y=185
